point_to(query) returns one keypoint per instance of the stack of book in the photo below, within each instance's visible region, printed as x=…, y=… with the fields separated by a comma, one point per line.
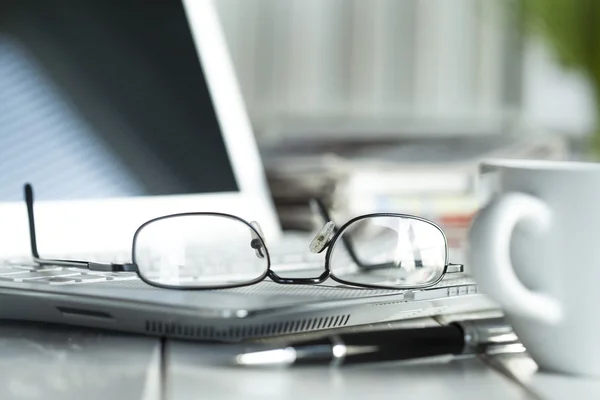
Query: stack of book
x=434, y=179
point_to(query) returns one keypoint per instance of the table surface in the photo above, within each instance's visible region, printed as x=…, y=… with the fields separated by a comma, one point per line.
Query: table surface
x=59, y=362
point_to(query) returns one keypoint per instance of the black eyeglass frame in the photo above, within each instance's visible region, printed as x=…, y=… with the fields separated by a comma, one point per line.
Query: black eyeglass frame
x=329, y=246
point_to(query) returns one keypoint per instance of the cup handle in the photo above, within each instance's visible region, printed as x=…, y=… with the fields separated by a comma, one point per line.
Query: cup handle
x=489, y=241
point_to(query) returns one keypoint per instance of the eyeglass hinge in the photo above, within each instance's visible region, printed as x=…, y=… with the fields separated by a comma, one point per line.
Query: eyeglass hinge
x=455, y=268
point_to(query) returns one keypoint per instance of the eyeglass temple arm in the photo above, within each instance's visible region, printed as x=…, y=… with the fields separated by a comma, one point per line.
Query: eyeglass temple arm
x=92, y=266
x=324, y=214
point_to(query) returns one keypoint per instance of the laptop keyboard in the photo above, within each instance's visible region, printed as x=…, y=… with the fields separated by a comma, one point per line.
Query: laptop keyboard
x=288, y=258
x=25, y=271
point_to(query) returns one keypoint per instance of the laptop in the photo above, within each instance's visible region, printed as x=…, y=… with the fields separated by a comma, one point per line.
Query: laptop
x=54, y=71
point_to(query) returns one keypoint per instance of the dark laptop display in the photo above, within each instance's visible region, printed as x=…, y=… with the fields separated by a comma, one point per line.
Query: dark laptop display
x=105, y=99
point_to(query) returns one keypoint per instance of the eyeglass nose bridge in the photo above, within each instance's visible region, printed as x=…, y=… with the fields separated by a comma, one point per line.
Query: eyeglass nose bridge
x=319, y=243
x=299, y=281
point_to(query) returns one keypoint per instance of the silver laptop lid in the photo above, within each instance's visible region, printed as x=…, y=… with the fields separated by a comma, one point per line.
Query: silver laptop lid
x=118, y=112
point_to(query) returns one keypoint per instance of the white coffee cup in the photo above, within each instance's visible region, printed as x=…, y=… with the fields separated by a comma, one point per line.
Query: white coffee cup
x=535, y=249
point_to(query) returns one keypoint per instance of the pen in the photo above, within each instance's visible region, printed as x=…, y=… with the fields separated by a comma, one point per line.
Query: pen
x=462, y=337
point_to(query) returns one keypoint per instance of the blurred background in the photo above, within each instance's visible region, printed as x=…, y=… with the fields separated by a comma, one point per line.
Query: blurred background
x=390, y=104
x=397, y=68
x=371, y=105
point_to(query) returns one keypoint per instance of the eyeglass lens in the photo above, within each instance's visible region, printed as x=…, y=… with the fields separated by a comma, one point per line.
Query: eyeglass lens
x=204, y=251
x=199, y=251
x=390, y=251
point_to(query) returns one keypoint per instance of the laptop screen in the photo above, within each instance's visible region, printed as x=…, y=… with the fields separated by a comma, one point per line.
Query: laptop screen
x=103, y=99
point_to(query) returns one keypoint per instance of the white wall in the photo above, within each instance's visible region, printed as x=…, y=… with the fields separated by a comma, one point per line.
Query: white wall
x=371, y=65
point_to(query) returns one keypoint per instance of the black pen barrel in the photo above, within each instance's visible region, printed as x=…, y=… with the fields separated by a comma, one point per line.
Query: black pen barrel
x=461, y=337
x=318, y=351
x=403, y=344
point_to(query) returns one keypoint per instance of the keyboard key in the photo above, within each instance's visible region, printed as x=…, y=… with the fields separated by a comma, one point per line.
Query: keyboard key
x=12, y=271
x=23, y=270
x=37, y=275
x=54, y=280
x=20, y=263
x=114, y=275
x=65, y=280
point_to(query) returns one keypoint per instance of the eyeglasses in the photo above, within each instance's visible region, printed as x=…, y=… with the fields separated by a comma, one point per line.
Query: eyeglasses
x=209, y=250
